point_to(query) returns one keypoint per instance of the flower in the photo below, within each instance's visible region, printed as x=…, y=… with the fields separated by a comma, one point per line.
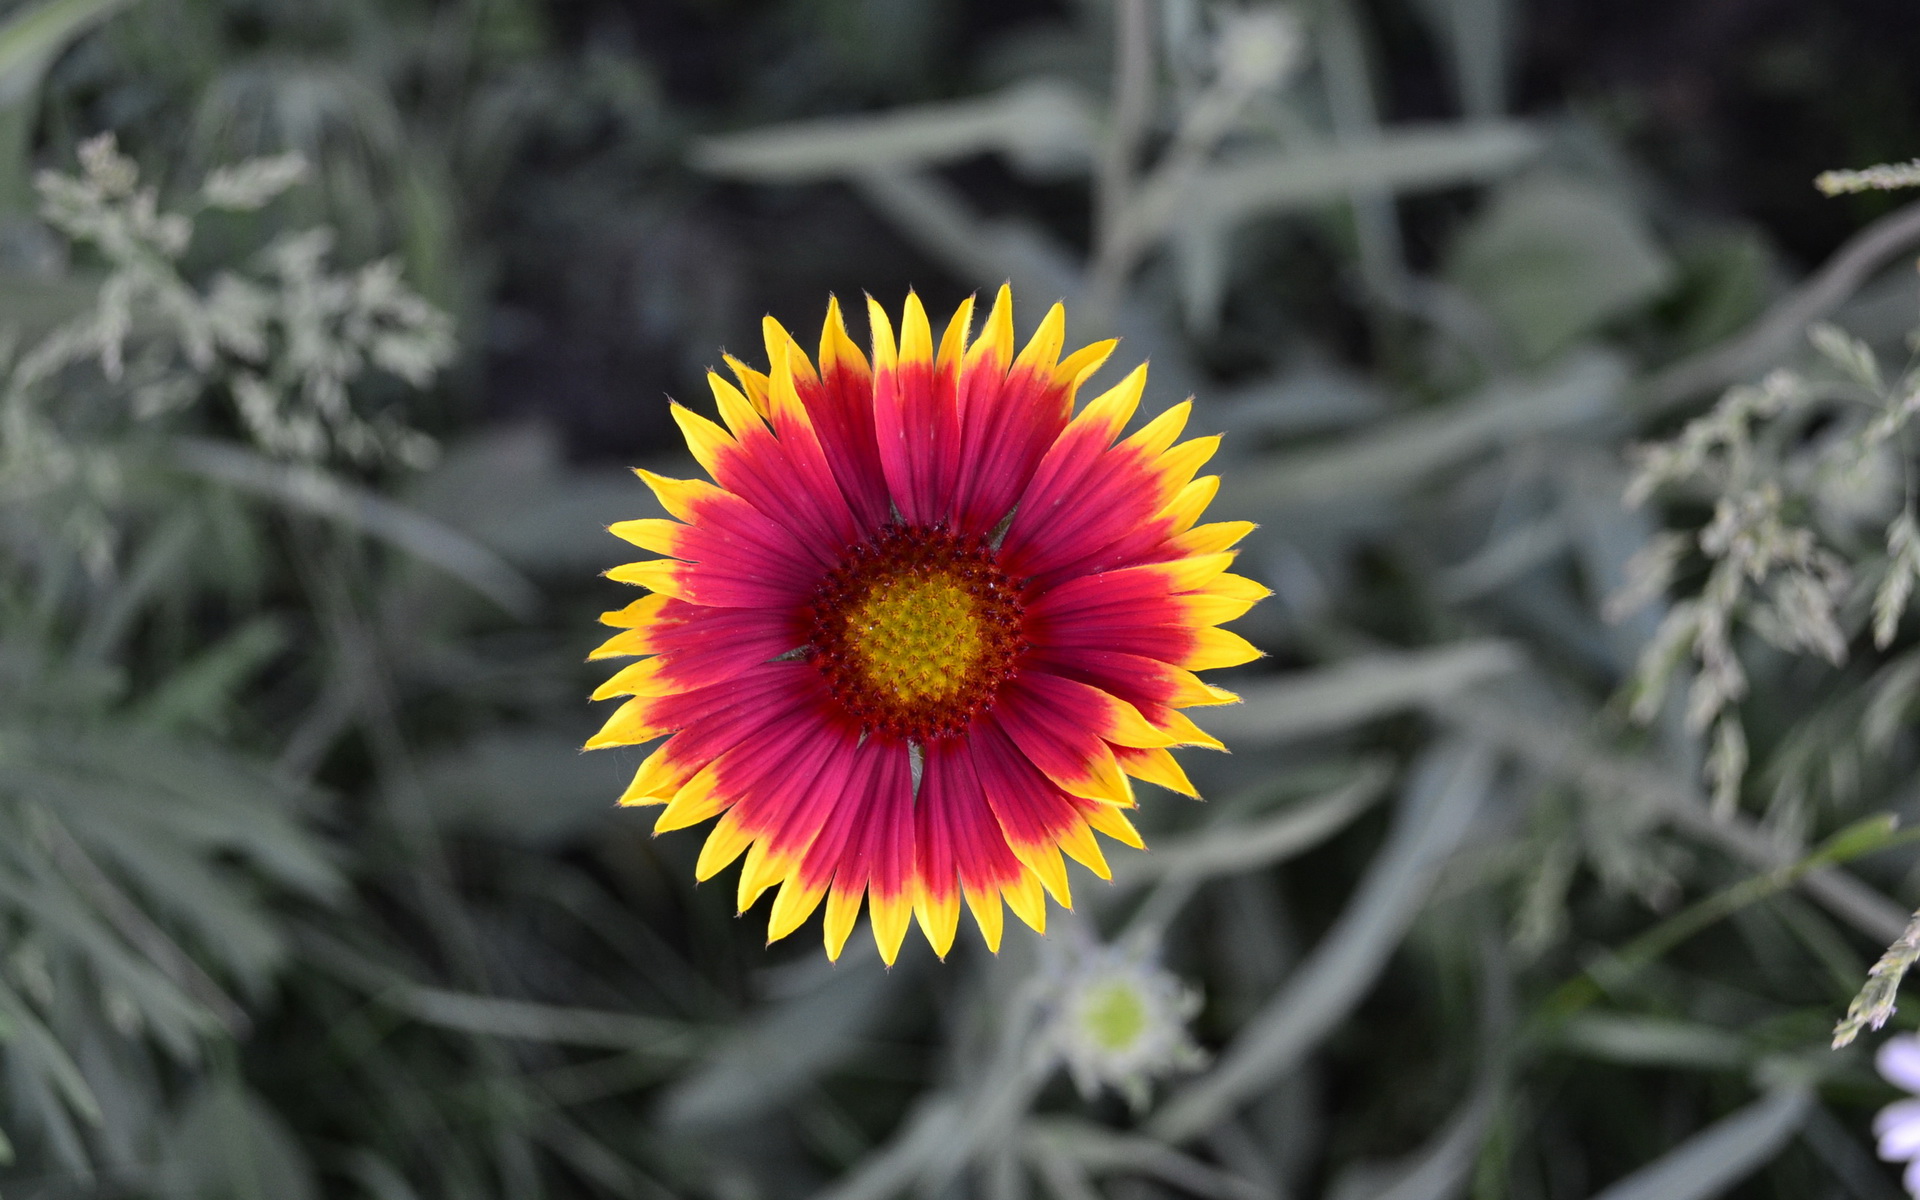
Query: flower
x=1259, y=48
x=1121, y=1022
x=925, y=622
x=1898, y=1124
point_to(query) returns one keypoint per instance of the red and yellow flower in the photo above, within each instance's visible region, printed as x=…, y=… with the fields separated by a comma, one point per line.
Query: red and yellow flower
x=912, y=640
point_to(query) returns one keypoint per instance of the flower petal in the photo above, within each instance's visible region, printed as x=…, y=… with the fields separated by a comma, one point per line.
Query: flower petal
x=1898, y=1061
x=840, y=400
x=1898, y=1128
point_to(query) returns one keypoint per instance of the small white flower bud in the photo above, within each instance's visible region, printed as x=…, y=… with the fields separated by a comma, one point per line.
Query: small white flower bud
x=1259, y=48
x=1121, y=1022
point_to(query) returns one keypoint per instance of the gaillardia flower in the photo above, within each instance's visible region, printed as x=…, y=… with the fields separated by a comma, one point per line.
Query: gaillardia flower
x=912, y=640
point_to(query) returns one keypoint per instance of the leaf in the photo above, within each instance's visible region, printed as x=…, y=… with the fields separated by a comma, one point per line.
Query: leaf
x=1041, y=125
x=1864, y=836
x=1357, y=690
x=1099, y=1150
x=228, y=1143
x=1553, y=259
x=528, y=787
x=1397, y=456
x=785, y=1048
x=174, y=1019
x=499, y=1016
x=1475, y=34
x=1438, y=1170
x=1722, y=1154
x=1246, y=846
x=1652, y=1041
x=1558, y=749
x=1903, y=568
x=1445, y=793
x=214, y=799
x=1890, y=698
x=312, y=491
x=37, y=1046
x=512, y=491
x=1854, y=357
x=200, y=693
x=1404, y=158
x=208, y=900
x=380, y=1179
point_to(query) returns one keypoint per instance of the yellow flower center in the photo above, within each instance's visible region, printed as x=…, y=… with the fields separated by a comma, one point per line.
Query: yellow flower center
x=1114, y=1014
x=916, y=632
x=917, y=638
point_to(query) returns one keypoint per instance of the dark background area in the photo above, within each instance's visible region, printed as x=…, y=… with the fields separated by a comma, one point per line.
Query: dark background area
x=1733, y=105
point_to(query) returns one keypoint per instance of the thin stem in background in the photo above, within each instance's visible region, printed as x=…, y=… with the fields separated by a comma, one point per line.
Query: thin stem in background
x=1133, y=94
x=1764, y=340
x=1132, y=108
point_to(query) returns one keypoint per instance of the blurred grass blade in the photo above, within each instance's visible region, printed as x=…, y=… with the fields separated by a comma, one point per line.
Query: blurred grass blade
x=1517, y=552
x=761, y=1065
x=934, y=1122
x=312, y=491
x=1359, y=689
x=1044, y=125
x=1441, y=801
x=30, y=39
x=1103, y=1151
x=1557, y=748
x=1246, y=846
x=140, y=931
x=1396, y=160
x=229, y=1142
x=1722, y=1154
x=204, y=690
x=1475, y=34
x=40, y=1050
x=1652, y=1042
x=1552, y=259
x=1399, y=455
x=986, y=252
x=1436, y=1171
x=557, y=1024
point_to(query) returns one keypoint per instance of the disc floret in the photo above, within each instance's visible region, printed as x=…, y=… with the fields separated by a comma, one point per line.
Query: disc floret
x=917, y=632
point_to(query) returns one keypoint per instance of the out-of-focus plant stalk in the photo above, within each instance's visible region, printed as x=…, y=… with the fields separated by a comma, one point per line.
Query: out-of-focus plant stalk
x=1256, y=51
x=1133, y=94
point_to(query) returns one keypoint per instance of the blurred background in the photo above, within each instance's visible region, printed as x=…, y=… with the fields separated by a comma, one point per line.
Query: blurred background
x=1560, y=826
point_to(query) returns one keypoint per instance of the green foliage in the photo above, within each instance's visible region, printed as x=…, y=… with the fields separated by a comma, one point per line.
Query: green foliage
x=1556, y=831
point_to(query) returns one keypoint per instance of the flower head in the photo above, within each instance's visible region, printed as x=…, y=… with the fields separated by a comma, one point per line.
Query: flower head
x=912, y=640
x=1259, y=48
x=1121, y=1022
x=1898, y=1124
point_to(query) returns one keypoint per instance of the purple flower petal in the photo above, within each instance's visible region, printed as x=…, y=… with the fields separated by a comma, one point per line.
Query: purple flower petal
x=1912, y=1178
x=1898, y=1113
x=1899, y=1061
x=1898, y=1127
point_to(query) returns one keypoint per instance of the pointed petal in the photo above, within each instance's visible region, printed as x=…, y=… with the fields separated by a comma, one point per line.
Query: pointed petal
x=890, y=917
x=725, y=843
x=939, y=917
x=1042, y=352
x=1155, y=766
x=843, y=907
x=987, y=914
x=1028, y=901
x=792, y=905
x=1112, y=822
x=953, y=344
x=994, y=348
